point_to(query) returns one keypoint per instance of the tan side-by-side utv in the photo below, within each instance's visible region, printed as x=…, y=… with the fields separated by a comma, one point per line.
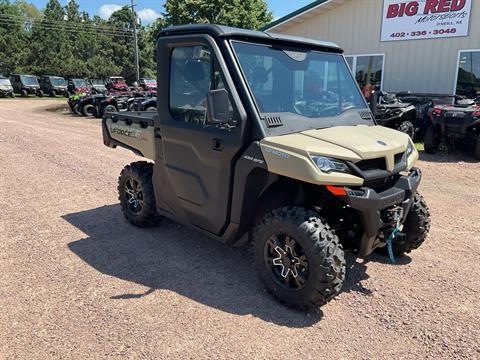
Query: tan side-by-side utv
x=265, y=138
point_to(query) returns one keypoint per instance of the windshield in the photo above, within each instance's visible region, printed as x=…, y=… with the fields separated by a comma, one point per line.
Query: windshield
x=150, y=81
x=29, y=80
x=5, y=82
x=310, y=84
x=79, y=82
x=57, y=81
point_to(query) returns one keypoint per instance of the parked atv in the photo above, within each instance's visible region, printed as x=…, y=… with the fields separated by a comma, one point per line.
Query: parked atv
x=451, y=124
x=391, y=112
x=77, y=86
x=74, y=102
x=26, y=85
x=148, y=84
x=116, y=83
x=97, y=86
x=6, y=88
x=149, y=104
x=53, y=85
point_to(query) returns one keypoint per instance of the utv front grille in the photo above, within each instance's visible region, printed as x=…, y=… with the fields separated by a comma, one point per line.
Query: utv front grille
x=372, y=164
x=382, y=184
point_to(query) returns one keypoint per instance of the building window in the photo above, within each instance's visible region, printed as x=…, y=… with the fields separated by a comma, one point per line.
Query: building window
x=468, y=76
x=368, y=71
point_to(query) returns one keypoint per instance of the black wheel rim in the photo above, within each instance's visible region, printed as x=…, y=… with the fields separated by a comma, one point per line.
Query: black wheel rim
x=134, y=195
x=286, y=261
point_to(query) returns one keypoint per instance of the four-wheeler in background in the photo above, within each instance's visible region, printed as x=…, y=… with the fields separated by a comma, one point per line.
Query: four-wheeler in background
x=148, y=84
x=77, y=86
x=241, y=149
x=26, y=85
x=6, y=88
x=451, y=124
x=116, y=83
x=392, y=112
x=53, y=85
x=146, y=104
x=97, y=86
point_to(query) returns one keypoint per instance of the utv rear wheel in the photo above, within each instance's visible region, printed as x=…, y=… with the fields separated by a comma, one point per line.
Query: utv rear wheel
x=407, y=128
x=88, y=110
x=53, y=93
x=297, y=256
x=40, y=93
x=431, y=140
x=135, y=192
x=24, y=93
x=416, y=227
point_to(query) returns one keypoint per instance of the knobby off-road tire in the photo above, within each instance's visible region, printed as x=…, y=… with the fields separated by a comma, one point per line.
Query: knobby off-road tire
x=52, y=93
x=407, y=128
x=314, y=245
x=416, y=227
x=88, y=110
x=431, y=140
x=139, y=209
x=40, y=93
x=24, y=93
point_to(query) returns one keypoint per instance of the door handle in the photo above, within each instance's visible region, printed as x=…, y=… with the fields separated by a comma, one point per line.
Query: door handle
x=217, y=144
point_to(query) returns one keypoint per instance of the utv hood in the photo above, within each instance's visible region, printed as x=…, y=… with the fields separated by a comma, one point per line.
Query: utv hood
x=6, y=87
x=290, y=155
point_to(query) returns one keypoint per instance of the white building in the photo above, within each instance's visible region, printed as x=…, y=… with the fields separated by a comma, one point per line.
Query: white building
x=424, y=46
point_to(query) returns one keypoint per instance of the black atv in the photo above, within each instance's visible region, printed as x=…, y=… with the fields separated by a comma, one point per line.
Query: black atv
x=26, y=85
x=54, y=85
x=6, y=88
x=391, y=112
x=451, y=124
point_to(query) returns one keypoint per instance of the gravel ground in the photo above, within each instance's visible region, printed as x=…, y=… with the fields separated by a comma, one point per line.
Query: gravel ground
x=77, y=281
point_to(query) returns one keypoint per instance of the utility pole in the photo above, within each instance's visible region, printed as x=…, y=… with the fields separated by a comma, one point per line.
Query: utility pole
x=135, y=39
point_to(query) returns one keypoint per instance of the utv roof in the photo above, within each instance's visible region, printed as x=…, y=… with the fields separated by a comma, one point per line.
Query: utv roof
x=220, y=31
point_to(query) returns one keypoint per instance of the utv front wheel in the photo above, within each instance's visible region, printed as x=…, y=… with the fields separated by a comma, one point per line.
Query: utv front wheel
x=135, y=192
x=53, y=93
x=407, y=128
x=24, y=93
x=416, y=227
x=297, y=256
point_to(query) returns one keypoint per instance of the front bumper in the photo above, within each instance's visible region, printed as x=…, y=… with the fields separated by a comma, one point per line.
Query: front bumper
x=371, y=204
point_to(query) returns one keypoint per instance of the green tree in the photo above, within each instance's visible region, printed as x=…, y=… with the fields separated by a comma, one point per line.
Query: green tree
x=13, y=40
x=250, y=14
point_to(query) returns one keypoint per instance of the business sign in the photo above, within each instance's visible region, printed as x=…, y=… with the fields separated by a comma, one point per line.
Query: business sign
x=425, y=19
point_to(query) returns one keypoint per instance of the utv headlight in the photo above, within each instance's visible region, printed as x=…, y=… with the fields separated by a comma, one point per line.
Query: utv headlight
x=409, y=148
x=327, y=165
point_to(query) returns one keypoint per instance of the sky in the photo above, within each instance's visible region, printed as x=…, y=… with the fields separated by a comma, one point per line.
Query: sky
x=149, y=10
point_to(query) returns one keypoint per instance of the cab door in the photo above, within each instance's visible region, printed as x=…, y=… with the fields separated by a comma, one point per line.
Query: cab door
x=195, y=181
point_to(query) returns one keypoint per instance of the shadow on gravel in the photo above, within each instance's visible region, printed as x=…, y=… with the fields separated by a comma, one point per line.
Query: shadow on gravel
x=179, y=259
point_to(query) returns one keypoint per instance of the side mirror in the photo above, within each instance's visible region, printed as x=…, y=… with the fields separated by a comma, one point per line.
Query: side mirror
x=218, y=109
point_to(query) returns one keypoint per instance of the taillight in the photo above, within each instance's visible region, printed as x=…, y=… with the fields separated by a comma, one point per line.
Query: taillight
x=476, y=113
x=437, y=112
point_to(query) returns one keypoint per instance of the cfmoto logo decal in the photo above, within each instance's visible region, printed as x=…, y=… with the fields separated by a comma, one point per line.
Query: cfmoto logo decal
x=125, y=131
x=277, y=153
x=381, y=142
